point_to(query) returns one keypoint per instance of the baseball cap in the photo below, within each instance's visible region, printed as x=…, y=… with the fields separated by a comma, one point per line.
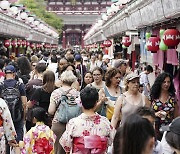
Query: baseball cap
x=77, y=57
x=131, y=76
x=10, y=69
x=119, y=62
x=173, y=127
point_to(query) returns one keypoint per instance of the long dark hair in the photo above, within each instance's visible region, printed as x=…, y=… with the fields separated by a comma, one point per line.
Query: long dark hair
x=135, y=135
x=156, y=87
x=24, y=65
x=48, y=81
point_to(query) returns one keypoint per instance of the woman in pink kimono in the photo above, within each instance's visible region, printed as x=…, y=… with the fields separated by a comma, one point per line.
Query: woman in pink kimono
x=40, y=138
x=89, y=132
x=6, y=127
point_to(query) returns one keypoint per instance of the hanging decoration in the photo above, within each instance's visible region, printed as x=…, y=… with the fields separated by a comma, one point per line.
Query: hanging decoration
x=153, y=44
x=7, y=43
x=162, y=46
x=19, y=43
x=14, y=43
x=126, y=41
x=23, y=43
x=148, y=35
x=32, y=45
x=107, y=43
x=171, y=37
x=102, y=45
x=27, y=44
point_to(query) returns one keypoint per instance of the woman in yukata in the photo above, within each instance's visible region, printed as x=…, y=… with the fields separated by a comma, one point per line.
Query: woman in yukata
x=6, y=127
x=40, y=138
x=89, y=132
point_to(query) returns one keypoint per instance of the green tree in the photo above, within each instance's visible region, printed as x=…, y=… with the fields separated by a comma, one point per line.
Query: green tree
x=38, y=7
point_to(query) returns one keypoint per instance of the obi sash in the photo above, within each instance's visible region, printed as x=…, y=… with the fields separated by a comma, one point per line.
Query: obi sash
x=89, y=145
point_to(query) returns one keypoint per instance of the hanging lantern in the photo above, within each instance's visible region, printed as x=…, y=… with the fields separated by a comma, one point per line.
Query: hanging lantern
x=162, y=46
x=102, y=45
x=23, y=43
x=148, y=35
x=14, y=43
x=126, y=41
x=7, y=43
x=19, y=43
x=171, y=37
x=107, y=43
x=4, y=4
x=27, y=44
x=153, y=44
x=32, y=45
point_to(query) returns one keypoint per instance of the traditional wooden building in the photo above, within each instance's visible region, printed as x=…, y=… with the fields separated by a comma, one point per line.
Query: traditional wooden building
x=78, y=16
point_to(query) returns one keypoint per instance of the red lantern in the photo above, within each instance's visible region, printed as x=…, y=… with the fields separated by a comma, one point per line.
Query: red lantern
x=7, y=43
x=23, y=43
x=107, y=43
x=19, y=42
x=32, y=45
x=27, y=44
x=102, y=45
x=126, y=41
x=14, y=43
x=40, y=45
x=153, y=44
x=171, y=37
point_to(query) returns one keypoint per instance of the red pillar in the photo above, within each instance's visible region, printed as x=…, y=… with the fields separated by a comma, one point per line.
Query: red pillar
x=64, y=40
x=82, y=39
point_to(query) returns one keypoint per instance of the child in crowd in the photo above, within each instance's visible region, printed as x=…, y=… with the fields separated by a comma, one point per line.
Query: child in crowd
x=149, y=114
x=40, y=138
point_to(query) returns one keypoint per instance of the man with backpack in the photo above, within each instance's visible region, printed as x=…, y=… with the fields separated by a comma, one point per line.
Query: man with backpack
x=13, y=92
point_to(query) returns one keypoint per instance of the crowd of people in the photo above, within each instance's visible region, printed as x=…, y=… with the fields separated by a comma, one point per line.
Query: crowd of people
x=82, y=103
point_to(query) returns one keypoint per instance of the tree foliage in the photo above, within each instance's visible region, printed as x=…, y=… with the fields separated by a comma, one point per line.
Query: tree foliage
x=38, y=7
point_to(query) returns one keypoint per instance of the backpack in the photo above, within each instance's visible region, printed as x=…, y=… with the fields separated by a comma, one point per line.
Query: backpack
x=68, y=108
x=12, y=97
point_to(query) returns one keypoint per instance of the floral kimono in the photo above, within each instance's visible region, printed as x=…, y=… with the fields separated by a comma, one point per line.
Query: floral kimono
x=6, y=126
x=39, y=139
x=87, y=130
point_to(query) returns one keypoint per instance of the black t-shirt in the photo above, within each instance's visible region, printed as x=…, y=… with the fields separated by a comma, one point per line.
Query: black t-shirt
x=41, y=98
x=31, y=86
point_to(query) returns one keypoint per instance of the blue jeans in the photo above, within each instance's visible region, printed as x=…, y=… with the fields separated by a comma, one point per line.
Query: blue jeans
x=19, y=130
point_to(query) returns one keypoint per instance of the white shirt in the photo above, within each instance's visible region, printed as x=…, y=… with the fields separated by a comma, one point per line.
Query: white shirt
x=52, y=67
x=166, y=148
x=145, y=81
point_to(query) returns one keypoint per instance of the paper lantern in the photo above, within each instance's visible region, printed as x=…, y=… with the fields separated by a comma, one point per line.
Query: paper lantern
x=107, y=43
x=153, y=44
x=19, y=42
x=14, y=43
x=32, y=45
x=7, y=43
x=126, y=41
x=27, y=44
x=171, y=37
x=23, y=43
x=4, y=5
